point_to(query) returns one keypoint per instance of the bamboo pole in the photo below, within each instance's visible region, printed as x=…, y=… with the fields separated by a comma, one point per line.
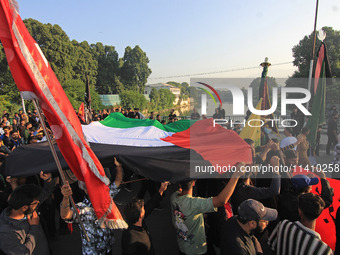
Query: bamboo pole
x=60, y=170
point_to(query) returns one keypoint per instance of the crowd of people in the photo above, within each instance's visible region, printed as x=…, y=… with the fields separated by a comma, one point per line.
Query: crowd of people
x=243, y=213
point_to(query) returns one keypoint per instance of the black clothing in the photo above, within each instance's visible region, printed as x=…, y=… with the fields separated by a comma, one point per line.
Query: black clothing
x=243, y=192
x=337, y=229
x=332, y=138
x=222, y=113
x=136, y=240
x=6, y=115
x=21, y=130
x=217, y=116
x=7, y=141
x=288, y=203
x=19, y=237
x=195, y=116
x=235, y=241
x=172, y=116
x=131, y=115
x=15, y=127
x=299, y=118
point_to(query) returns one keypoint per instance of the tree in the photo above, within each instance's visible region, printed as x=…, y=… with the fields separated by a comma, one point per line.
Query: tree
x=166, y=98
x=154, y=96
x=132, y=99
x=108, y=81
x=68, y=59
x=75, y=91
x=135, y=70
x=55, y=45
x=7, y=85
x=303, y=54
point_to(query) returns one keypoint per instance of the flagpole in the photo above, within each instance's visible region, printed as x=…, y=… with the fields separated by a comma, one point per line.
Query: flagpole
x=60, y=170
x=313, y=50
x=23, y=104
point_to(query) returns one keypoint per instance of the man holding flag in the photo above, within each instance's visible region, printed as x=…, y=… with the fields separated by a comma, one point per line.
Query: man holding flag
x=36, y=80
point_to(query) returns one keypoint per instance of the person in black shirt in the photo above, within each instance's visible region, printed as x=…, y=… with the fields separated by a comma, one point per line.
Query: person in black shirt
x=5, y=114
x=237, y=237
x=298, y=117
x=152, y=116
x=172, y=115
x=217, y=114
x=15, y=125
x=14, y=141
x=222, y=111
x=195, y=115
x=6, y=138
x=136, y=239
x=131, y=114
x=332, y=132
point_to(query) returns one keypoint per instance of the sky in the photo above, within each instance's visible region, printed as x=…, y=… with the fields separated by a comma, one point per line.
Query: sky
x=189, y=37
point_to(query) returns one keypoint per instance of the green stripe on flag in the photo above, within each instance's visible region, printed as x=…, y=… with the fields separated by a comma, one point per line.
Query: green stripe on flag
x=118, y=120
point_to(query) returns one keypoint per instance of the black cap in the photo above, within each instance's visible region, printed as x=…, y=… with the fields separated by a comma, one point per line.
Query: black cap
x=254, y=210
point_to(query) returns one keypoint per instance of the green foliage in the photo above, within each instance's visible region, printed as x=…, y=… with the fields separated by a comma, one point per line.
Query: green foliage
x=166, y=98
x=7, y=85
x=7, y=105
x=161, y=99
x=135, y=70
x=154, y=96
x=108, y=65
x=303, y=54
x=72, y=61
x=132, y=99
x=75, y=91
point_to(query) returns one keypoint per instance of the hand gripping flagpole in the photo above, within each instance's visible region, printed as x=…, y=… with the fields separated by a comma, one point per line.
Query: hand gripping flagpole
x=60, y=170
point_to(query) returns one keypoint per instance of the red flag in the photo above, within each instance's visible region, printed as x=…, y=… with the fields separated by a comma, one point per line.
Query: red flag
x=81, y=112
x=318, y=66
x=36, y=80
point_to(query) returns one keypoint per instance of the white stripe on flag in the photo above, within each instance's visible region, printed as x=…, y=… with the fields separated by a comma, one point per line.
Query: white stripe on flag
x=146, y=136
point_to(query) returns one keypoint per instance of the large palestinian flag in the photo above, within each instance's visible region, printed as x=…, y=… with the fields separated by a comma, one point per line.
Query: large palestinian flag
x=173, y=152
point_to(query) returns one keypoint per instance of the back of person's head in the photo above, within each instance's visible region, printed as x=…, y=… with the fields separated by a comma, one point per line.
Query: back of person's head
x=271, y=154
x=133, y=210
x=305, y=130
x=289, y=154
x=311, y=205
x=24, y=195
x=186, y=185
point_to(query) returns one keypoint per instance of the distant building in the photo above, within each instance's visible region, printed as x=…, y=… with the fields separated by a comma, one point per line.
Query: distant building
x=158, y=86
